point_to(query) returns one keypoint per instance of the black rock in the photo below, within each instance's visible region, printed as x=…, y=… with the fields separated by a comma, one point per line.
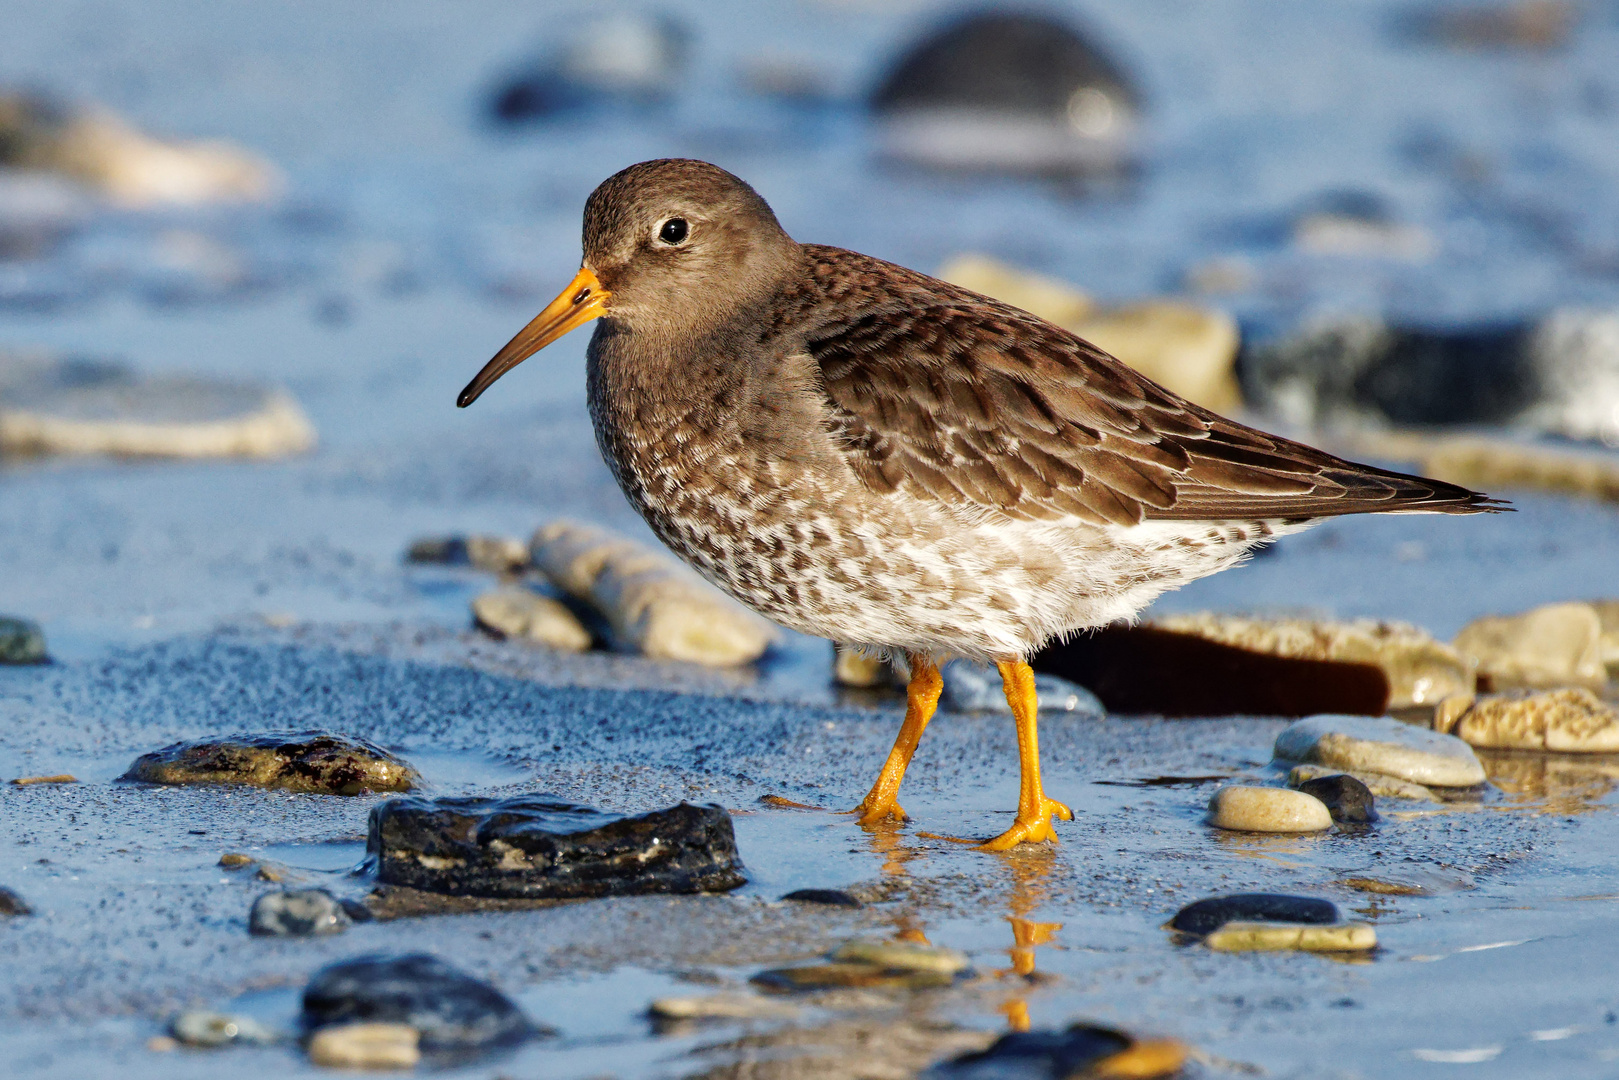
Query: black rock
x=1007, y=91
x=439, y=550
x=1035, y=1055
x=618, y=57
x=12, y=904
x=543, y=847
x=453, y=1011
x=1349, y=800
x=834, y=897
x=309, y=761
x=298, y=913
x=1207, y=916
x=21, y=641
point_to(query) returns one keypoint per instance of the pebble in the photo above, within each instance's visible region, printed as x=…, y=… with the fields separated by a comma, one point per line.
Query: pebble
x=366, y=1046
x=1384, y=745
x=21, y=641
x=12, y=904
x=235, y=860
x=652, y=602
x=307, y=761
x=721, y=1007
x=1380, y=785
x=452, y=1010
x=1551, y=646
x=1191, y=350
x=628, y=57
x=1359, y=224
x=1270, y=936
x=851, y=667
x=202, y=1028
x=521, y=614
x=1083, y=1050
x=1562, y=721
x=101, y=150
x=297, y=913
x=1533, y=25
x=493, y=554
x=1420, y=670
x=58, y=778
x=544, y=847
x=849, y=975
x=67, y=407
x=1348, y=799
x=1208, y=915
x=970, y=687
x=902, y=956
x=831, y=897
x=1267, y=809
x=1007, y=92
x=1149, y=669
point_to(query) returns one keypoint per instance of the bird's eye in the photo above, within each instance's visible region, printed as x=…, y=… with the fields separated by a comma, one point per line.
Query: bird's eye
x=674, y=231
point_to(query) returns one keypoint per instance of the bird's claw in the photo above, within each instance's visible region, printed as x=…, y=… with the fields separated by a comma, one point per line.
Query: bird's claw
x=1030, y=829
x=879, y=814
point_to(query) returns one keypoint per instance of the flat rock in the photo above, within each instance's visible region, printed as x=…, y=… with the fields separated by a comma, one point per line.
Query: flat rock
x=1555, y=645
x=849, y=975
x=493, y=554
x=829, y=897
x=1208, y=915
x=307, y=761
x=1420, y=670
x=21, y=641
x=1081, y=1050
x=1564, y=721
x=1007, y=92
x=297, y=913
x=366, y=1046
x=199, y=1027
x=11, y=904
x=901, y=956
x=1273, y=936
x=721, y=1007
x=87, y=407
x=521, y=614
x=970, y=687
x=1349, y=800
x=1380, y=785
x=542, y=847
x=653, y=603
x=1268, y=810
x=452, y=1010
x=1381, y=744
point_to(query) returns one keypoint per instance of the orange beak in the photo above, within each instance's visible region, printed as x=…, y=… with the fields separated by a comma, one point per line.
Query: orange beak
x=584, y=299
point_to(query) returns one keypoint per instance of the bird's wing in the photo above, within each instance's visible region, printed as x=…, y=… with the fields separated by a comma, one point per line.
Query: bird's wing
x=953, y=396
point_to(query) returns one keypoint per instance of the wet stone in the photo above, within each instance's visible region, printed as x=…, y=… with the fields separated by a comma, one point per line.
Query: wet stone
x=521, y=614
x=1243, y=808
x=1208, y=915
x=12, y=904
x=1381, y=785
x=1561, y=721
x=828, y=897
x=1242, y=936
x=970, y=687
x=1349, y=801
x=200, y=1027
x=1082, y=1050
x=21, y=641
x=1552, y=646
x=540, y=847
x=366, y=1046
x=1381, y=744
x=612, y=58
x=494, y=554
x=454, y=1012
x=297, y=913
x=235, y=860
x=307, y=761
x=851, y=975
x=721, y=1007
x=902, y=956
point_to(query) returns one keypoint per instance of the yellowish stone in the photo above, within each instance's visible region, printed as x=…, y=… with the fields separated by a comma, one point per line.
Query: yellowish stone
x=1552, y=646
x=524, y=615
x=1268, y=810
x=366, y=1046
x=722, y=1007
x=901, y=956
x=1269, y=936
x=1565, y=721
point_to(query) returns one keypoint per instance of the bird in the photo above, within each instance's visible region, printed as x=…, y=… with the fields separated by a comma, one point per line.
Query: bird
x=864, y=453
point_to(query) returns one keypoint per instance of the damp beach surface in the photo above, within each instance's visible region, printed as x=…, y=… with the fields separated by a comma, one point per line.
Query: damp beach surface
x=185, y=601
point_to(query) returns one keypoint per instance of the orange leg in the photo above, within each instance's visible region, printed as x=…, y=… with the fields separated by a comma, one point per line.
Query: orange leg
x=1034, y=810
x=922, y=697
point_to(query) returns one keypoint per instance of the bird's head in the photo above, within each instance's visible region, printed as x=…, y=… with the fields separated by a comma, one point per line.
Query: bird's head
x=670, y=247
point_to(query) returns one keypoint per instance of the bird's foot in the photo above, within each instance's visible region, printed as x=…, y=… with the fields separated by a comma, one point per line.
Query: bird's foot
x=876, y=812
x=1030, y=828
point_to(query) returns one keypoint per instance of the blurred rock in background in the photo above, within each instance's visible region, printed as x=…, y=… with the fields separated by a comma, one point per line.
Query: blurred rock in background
x=615, y=56
x=1008, y=92
x=1534, y=25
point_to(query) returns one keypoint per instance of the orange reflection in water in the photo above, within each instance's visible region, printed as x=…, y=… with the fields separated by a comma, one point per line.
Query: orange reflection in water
x=1030, y=871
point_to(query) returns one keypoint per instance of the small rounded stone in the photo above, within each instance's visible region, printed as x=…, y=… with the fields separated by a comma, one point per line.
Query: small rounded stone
x=1381, y=744
x=366, y=1046
x=1269, y=810
x=1266, y=936
x=1346, y=798
x=901, y=956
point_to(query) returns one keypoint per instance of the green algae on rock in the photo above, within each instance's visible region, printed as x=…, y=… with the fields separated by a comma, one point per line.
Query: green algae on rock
x=315, y=762
x=21, y=641
x=540, y=847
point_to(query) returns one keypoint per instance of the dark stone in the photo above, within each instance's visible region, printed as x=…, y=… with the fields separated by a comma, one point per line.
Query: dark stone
x=297, y=913
x=834, y=897
x=1015, y=91
x=614, y=58
x=12, y=904
x=439, y=550
x=1143, y=669
x=21, y=642
x=1035, y=1055
x=1207, y=916
x=309, y=761
x=454, y=1012
x=543, y=847
x=1349, y=800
